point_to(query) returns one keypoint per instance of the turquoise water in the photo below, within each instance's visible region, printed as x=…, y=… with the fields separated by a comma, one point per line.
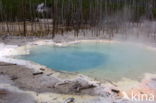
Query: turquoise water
x=111, y=61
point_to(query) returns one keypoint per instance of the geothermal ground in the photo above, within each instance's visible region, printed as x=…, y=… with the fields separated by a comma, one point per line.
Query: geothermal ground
x=21, y=80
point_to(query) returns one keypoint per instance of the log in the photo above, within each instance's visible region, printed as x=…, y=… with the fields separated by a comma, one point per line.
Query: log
x=78, y=87
x=38, y=73
x=3, y=92
x=7, y=64
x=115, y=91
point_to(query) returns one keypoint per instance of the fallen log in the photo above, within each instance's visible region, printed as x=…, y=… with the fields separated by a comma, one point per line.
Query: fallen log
x=38, y=73
x=115, y=91
x=3, y=92
x=7, y=64
x=78, y=87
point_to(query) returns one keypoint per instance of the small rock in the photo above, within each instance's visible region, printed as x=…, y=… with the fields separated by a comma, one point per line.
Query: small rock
x=42, y=69
x=14, y=77
x=54, y=98
x=1, y=72
x=49, y=74
x=69, y=100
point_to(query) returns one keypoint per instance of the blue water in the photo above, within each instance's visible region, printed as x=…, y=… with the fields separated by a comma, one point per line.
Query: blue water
x=111, y=61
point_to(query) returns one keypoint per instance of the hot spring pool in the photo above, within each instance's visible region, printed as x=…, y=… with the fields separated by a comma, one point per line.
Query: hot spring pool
x=111, y=61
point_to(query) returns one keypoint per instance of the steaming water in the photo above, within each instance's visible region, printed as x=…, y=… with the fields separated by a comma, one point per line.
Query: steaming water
x=111, y=61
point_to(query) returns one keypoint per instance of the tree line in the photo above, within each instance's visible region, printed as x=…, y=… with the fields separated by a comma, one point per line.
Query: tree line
x=72, y=14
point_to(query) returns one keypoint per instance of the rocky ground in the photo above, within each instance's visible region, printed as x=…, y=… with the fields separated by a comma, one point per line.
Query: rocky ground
x=19, y=84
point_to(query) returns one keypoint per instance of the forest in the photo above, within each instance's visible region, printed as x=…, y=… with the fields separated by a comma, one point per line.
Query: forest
x=71, y=14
